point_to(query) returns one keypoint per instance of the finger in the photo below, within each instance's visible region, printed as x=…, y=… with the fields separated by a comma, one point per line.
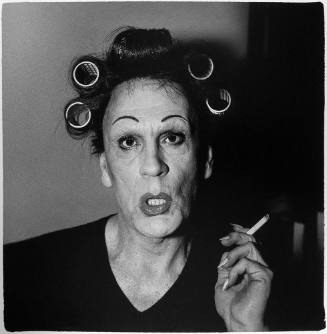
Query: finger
x=253, y=272
x=247, y=250
x=222, y=282
x=239, y=228
x=222, y=278
x=223, y=260
x=222, y=272
x=236, y=238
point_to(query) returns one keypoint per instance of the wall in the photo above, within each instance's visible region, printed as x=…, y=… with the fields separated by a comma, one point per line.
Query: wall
x=50, y=181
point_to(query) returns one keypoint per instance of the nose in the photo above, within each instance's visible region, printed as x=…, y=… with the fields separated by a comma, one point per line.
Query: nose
x=153, y=164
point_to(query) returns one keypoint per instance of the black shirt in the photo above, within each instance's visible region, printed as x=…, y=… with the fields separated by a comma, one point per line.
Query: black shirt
x=63, y=281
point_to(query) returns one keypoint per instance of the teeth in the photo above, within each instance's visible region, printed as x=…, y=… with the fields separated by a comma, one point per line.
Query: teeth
x=158, y=201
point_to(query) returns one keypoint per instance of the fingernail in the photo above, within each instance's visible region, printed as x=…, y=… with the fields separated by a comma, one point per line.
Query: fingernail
x=222, y=263
x=225, y=285
x=236, y=225
x=224, y=238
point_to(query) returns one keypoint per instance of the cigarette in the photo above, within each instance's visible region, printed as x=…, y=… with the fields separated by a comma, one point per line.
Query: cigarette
x=258, y=225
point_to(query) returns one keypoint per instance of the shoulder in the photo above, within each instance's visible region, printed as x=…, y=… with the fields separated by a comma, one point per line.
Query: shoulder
x=43, y=255
x=46, y=274
x=56, y=241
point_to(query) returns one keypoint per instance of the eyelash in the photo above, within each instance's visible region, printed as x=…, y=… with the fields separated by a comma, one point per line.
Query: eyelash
x=123, y=139
x=180, y=137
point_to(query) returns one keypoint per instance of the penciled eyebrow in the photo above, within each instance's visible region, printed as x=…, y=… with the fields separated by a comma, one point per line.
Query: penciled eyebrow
x=136, y=120
x=128, y=117
x=171, y=116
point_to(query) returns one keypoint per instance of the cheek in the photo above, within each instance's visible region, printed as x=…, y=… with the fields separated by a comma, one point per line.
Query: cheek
x=120, y=165
x=185, y=179
x=124, y=179
x=184, y=190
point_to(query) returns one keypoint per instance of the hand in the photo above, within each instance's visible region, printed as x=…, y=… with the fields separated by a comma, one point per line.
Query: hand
x=243, y=284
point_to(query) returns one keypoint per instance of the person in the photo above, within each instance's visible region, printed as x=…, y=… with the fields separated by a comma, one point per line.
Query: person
x=148, y=267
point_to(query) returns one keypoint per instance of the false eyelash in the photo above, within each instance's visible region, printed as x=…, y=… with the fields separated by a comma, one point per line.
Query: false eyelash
x=177, y=134
x=122, y=139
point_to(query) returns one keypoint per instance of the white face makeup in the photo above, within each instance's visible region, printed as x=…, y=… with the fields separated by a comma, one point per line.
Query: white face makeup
x=150, y=156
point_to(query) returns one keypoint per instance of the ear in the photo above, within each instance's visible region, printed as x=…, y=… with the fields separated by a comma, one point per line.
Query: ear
x=106, y=180
x=209, y=164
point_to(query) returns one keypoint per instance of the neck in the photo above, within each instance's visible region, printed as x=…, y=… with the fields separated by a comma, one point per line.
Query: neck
x=141, y=252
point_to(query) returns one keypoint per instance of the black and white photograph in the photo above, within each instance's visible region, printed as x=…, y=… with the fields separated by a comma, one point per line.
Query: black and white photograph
x=163, y=166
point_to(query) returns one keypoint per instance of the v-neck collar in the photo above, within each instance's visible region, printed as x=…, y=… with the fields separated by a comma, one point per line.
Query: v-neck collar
x=164, y=298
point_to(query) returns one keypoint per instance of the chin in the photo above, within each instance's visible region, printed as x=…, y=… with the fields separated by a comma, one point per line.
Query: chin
x=159, y=226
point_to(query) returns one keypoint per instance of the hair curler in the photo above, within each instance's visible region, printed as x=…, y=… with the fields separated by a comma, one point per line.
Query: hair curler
x=200, y=66
x=219, y=103
x=78, y=115
x=86, y=74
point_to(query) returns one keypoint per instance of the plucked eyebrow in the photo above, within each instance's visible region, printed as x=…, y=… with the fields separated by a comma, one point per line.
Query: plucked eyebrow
x=128, y=117
x=171, y=116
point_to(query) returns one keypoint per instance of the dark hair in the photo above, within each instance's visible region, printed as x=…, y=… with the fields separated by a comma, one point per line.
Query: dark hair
x=135, y=54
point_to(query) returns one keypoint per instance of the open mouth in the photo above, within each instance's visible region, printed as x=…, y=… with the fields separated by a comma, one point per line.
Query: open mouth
x=152, y=205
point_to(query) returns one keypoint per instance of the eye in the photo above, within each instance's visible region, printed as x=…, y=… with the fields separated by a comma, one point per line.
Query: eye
x=127, y=142
x=174, y=138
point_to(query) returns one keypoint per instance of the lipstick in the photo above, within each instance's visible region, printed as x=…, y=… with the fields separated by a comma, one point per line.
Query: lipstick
x=152, y=205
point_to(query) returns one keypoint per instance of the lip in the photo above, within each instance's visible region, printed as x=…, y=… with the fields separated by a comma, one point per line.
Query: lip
x=158, y=209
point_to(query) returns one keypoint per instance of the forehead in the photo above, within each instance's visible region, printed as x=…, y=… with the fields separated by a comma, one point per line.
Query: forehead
x=146, y=99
